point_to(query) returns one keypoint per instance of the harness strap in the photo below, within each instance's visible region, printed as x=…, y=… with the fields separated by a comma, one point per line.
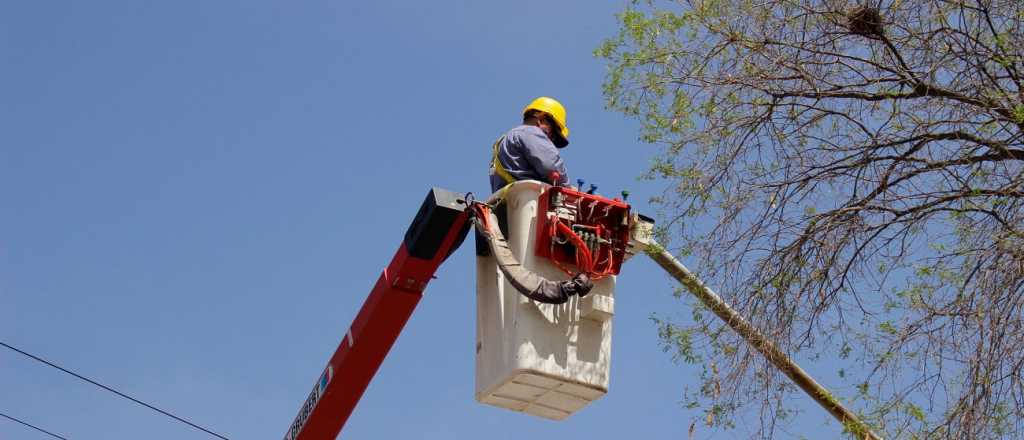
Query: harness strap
x=499, y=169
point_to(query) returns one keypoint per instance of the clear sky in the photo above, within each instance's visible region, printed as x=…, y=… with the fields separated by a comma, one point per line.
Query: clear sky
x=197, y=196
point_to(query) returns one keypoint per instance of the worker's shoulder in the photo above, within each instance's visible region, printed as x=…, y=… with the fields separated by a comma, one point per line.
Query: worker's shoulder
x=529, y=135
x=525, y=130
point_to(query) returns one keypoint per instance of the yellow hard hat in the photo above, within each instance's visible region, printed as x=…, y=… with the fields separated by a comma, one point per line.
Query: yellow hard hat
x=557, y=112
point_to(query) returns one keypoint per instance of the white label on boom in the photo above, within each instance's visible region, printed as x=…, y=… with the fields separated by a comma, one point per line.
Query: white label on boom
x=310, y=404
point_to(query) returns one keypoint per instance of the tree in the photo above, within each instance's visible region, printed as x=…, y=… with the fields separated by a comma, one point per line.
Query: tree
x=849, y=175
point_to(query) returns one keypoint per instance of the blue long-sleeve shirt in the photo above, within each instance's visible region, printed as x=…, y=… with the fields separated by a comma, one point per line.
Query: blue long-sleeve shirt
x=527, y=154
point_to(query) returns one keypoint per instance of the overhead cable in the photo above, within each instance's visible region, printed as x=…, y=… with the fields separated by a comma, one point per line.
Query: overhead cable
x=33, y=427
x=86, y=379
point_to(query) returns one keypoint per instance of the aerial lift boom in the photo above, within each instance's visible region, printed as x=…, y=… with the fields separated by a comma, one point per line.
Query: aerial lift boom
x=439, y=228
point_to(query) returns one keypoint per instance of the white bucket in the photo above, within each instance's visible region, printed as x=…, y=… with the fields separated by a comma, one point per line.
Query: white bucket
x=547, y=360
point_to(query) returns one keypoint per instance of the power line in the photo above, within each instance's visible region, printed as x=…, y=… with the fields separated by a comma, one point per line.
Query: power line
x=33, y=427
x=86, y=379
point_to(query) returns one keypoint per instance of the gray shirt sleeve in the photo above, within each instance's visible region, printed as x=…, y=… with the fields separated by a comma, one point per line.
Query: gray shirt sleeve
x=542, y=154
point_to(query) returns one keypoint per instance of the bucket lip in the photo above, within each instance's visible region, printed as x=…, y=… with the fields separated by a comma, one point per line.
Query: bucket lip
x=517, y=186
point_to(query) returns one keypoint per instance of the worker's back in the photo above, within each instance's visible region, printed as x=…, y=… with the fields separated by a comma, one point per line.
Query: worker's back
x=525, y=153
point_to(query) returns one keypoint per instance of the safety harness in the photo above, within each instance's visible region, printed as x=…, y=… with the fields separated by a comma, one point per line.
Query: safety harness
x=499, y=169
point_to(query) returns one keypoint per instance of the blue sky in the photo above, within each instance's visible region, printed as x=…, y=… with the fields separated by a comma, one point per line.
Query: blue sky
x=198, y=195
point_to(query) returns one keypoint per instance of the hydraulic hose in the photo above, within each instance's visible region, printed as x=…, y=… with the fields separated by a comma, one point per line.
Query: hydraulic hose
x=581, y=247
x=527, y=282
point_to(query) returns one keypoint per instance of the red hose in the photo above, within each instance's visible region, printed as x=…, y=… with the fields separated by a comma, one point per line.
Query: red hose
x=587, y=265
x=584, y=260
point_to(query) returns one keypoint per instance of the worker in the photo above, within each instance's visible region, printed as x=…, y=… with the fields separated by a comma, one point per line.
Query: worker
x=530, y=151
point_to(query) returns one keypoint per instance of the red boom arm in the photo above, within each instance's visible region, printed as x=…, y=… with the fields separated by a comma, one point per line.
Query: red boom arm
x=439, y=228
